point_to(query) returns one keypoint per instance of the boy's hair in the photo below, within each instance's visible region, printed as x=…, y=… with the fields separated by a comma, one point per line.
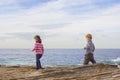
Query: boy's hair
x=38, y=38
x=89, y=36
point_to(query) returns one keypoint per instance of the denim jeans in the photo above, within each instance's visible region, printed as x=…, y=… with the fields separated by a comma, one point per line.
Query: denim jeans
x=38, y=63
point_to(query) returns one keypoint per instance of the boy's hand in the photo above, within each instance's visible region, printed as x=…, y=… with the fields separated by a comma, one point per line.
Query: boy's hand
x=84, y=48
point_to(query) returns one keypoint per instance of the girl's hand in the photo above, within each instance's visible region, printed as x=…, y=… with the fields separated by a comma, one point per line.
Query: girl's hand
x=32, y=50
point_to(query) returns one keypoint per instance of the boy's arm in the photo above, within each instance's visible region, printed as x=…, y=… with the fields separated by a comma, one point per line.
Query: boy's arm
x=87, y=46
x=93, y=47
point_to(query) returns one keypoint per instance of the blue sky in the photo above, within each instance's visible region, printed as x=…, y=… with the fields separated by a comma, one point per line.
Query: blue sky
x=32, y=3
x=7, y=5
x=60, y=23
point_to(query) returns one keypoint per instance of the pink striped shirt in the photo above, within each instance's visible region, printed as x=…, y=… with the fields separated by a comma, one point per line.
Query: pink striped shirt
x=39, y=49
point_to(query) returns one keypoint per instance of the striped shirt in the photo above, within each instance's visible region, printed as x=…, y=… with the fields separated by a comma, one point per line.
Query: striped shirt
x=39, y=49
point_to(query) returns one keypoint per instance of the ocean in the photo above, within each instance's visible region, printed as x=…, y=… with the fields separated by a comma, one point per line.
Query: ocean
x=55, y=57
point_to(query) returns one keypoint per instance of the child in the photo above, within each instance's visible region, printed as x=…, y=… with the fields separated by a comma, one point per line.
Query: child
x=39, y=49
x=90, y=48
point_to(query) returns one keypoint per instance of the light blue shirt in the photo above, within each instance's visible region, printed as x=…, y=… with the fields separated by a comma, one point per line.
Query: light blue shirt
x=90, y=48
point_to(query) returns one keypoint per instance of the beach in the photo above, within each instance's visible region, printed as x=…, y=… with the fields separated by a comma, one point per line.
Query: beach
x=73, y=72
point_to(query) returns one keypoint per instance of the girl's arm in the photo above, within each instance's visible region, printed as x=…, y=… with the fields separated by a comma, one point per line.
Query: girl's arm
x=34, y=48
x=42, y=49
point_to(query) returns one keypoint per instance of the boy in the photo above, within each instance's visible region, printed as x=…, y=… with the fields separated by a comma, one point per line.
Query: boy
x=90, y=48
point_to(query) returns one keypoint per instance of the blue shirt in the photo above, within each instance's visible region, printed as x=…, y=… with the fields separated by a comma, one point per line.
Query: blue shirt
x=90, y=48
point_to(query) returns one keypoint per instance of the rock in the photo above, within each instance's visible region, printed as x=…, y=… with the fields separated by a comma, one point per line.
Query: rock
x=74, y=72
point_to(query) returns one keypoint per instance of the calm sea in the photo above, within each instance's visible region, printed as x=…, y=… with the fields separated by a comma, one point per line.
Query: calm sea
x=54, y=57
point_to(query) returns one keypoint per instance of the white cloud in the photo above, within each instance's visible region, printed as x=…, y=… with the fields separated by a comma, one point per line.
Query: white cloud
x=66, y=26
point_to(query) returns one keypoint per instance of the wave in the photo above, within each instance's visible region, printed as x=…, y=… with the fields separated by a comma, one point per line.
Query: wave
x=116, y=60
x=113, y=61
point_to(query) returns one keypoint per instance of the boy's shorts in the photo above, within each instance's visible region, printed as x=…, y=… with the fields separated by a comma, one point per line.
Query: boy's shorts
x=89, y=57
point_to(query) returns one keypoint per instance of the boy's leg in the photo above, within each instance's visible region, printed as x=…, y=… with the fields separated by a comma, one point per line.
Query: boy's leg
x=92, y=58
x=86, y=59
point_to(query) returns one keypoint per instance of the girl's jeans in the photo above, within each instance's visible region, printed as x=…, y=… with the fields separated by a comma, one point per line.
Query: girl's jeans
x=38, y=63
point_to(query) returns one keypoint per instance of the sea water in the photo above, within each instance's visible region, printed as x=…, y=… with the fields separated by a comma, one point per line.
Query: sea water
x=55, y=57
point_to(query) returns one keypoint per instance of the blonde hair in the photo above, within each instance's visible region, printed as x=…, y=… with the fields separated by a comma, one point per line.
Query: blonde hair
x=37, y=37
x=89, y=36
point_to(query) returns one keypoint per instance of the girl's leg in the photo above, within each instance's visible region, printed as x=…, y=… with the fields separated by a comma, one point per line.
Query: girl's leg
x=38, y=63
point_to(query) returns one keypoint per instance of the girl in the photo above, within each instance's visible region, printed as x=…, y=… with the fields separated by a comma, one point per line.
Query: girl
x=39, y=49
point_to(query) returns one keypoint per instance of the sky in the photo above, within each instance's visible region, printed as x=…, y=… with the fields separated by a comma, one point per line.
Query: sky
x=60, y=23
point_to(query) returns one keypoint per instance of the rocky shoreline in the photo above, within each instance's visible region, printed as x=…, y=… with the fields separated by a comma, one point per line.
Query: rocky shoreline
x=75, y=72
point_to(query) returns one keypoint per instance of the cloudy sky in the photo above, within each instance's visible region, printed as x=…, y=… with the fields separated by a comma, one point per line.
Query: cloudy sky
x=60, y=23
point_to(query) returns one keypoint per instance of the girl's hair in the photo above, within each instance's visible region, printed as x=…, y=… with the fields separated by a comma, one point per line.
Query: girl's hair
x=89, y=36
x=37, y=37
